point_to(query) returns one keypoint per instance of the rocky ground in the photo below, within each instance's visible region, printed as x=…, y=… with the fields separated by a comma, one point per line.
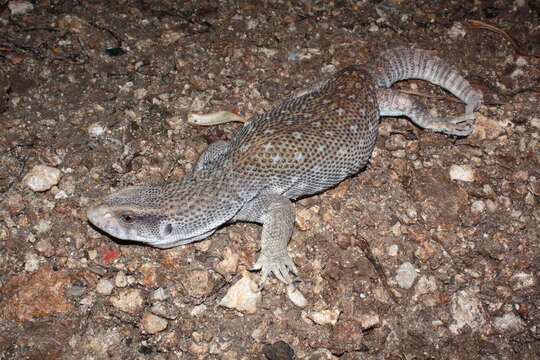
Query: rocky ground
x=431, y=252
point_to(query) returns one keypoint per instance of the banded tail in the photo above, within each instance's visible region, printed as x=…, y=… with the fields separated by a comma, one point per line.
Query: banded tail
x=400, y=64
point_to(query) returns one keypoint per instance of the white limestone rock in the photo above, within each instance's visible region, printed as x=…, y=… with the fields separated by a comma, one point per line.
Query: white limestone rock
x=153, y=324
x=406, y=275
x=325, y=317
x=242, y=296
x=462, y=173
x=42, y=178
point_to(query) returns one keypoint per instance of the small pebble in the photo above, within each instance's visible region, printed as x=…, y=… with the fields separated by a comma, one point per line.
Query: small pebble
x=45, y=248
x=31, y=262
x=508, y=322
x=104, y=287
x=153, y=323
x=176, y=122
x=198, y=310
x=42, y=178
x=129, y=300
x=329, y=69
x=165, y=310
x=120, y=280
x=293, y=56
x=96, y=130
x=456, y=31
x=61, y=195
x=393, y=250
x=406, y=275
x=199, y=349
x=369, y=321
x=478, y=207
x=160, y=294
x=466, y=310
x=75, y=291
x=491, y=205
x=296, y=296
x=522, y=281
x=172, y=35
x=325, y=317
x=242, y=296
x=462, y=173
x=43, y=226
x=18, y=7
x=229, y=263
x=278, y=351
x=139, y=94
x=198, y=283
x=426, y=285
x=266, y=51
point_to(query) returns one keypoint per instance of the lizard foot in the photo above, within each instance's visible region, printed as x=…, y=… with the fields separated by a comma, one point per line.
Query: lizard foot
x=280, y=264
x=459, y=125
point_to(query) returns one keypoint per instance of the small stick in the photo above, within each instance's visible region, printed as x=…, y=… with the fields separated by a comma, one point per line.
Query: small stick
x=215, y=118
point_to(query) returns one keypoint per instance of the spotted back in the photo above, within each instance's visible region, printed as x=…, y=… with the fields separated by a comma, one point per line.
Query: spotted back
x=312, y=142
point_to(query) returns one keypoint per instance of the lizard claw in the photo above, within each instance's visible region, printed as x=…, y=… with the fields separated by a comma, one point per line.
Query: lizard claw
x=296, y=280
x=459, y=125
x=279, y=264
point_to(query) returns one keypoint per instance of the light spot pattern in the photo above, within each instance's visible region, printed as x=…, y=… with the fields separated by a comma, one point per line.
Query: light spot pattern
x=327, y=159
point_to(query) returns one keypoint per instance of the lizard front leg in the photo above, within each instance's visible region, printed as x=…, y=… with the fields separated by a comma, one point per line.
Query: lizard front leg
x=210, y=156
x=276, y=214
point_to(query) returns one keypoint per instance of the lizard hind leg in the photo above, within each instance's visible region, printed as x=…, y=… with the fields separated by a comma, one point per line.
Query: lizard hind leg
x=395, y=103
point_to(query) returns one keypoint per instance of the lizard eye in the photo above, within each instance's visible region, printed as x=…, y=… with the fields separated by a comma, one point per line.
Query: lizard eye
x=128, y=217
x=168, y=229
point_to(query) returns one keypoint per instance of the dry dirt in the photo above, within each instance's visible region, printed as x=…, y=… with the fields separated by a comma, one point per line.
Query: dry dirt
x=411, y=263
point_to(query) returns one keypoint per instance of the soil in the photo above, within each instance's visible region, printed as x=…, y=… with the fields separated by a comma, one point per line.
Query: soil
x=431, y=252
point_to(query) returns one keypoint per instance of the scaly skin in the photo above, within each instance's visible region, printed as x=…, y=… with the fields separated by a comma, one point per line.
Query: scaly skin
x=307, y=144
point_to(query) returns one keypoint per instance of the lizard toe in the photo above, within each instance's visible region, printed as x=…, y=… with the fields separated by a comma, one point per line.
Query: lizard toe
x=255, y=267
x=460, y=125
x=279, y=264
x=282, y=273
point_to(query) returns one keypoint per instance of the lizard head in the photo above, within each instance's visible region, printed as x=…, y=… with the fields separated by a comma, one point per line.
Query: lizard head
x=163, y=216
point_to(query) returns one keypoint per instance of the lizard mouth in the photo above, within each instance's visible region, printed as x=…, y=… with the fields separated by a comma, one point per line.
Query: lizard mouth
x=167, y=245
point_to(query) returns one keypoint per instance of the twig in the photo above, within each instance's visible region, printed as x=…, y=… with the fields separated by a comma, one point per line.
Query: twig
x=38, y=28
x=439, y=97
x=484, y=83
x=171, y=170
x=185, y=15
x=364, y=245
x=475, y=24
x=13, y=44
x=118, y=39
x=506, y=94
x=22, y=163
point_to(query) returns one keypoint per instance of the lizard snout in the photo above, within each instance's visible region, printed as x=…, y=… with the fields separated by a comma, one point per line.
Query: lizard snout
x=102, y=218
x=97, y=215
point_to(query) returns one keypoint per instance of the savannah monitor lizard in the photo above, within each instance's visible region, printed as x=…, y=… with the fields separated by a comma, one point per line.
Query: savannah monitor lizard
x=305, y=145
